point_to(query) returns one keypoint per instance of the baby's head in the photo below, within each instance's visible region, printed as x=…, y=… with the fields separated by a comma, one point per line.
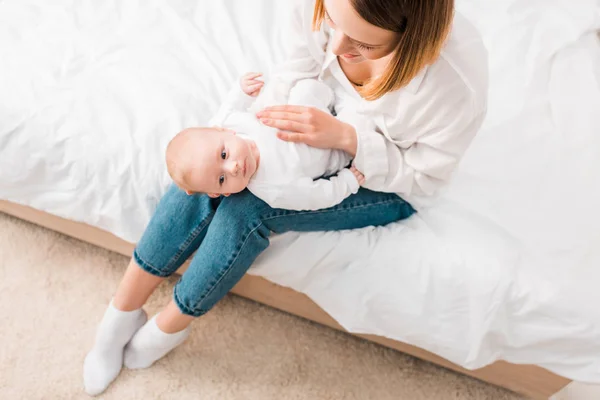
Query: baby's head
x=214, y=161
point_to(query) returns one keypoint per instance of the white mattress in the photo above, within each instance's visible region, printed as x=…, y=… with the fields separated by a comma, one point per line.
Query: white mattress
x=505, y=266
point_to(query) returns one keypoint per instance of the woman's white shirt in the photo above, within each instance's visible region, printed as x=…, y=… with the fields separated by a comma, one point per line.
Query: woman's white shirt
x=410, y=140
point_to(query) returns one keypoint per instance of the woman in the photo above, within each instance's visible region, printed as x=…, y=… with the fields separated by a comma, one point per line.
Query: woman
x=417, y=109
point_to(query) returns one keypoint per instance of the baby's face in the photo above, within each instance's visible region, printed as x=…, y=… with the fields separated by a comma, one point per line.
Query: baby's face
x=216, y=162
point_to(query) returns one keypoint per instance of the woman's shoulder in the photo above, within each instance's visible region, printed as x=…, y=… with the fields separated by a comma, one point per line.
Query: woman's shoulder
x=301, y=26
x=465, y=59
x=456, y=80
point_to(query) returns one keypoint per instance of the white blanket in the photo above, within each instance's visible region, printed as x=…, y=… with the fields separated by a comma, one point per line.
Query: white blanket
x=505, y=266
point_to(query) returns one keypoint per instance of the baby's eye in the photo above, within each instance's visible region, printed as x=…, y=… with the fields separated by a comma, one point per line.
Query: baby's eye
x=223, y=154
x=221, y=180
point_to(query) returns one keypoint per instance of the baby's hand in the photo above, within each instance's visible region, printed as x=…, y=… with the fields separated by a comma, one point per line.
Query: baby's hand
x=250, y=85
x=359, y=176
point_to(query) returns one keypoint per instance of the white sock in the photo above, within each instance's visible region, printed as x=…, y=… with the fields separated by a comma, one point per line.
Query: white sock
x=104, y=362
x=150, y=344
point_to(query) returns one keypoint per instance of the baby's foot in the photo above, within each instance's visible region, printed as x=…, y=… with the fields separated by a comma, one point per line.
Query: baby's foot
x=150, y=344
x=104, y=362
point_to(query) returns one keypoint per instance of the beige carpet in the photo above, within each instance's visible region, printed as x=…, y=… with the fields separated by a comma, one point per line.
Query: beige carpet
x=53, y=291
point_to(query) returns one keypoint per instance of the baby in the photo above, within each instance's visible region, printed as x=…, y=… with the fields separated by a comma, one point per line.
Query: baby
x=243, y=153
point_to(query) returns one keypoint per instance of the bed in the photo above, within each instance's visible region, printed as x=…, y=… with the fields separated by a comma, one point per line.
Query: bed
x=497, y=279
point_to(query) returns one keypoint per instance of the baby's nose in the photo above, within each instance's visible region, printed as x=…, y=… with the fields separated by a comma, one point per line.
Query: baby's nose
x=234, y=168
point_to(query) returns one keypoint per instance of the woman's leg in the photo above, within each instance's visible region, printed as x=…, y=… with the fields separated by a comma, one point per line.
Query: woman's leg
x=135, y=288
x=171, y=320
x=239, y=232
x=174, y=233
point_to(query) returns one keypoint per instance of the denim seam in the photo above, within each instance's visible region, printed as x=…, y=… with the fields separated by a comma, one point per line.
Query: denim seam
x=183, y=308
x=186, y=243
x=149, y=267
x=146, y=266
x=351, y=207
x=228, y=267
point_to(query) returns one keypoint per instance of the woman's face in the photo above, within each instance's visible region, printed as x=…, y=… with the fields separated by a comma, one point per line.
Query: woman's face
x=354, y=39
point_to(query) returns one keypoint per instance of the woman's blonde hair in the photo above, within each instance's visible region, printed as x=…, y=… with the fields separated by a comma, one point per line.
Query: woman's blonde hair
x=422, y=26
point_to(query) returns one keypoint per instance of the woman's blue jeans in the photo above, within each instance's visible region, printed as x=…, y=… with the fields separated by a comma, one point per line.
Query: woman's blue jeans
x=230, y=232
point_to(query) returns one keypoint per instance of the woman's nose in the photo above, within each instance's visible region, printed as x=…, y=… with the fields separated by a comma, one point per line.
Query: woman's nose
x=341, y=44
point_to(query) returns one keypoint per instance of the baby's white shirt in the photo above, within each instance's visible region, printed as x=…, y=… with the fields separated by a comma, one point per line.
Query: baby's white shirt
x=290, y=175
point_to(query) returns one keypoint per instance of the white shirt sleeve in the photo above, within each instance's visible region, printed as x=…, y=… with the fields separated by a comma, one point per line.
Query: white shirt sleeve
x=306, y=194
x=304, y=58
x=419, y=161
x=235, y=100
x=305, y=48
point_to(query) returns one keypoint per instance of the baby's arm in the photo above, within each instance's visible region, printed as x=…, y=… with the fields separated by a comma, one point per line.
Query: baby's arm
x=306, y=194
x=239, y=98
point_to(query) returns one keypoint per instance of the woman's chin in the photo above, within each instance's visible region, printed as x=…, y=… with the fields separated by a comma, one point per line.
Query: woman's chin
x=352, y=59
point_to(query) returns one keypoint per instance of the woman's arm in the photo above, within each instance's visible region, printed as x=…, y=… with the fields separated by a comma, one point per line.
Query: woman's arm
x=311, y=126
x=304, y=57
x=305, y=48
x=420, y=160
x=414, y=158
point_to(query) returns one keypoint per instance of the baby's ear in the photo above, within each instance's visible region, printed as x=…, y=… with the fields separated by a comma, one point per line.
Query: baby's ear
x=213, y=195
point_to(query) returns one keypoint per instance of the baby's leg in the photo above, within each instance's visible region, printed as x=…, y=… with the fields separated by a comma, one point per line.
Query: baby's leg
x=174, y=233
x=311, y=93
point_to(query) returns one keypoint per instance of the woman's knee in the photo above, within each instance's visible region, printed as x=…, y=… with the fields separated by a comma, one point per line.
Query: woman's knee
x=176, y=206
x=243, y=207
x=233, y=241
x=174, y=232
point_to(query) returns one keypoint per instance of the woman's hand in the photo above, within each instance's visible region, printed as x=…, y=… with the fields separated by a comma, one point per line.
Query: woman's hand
x=250, y=84
x=310, y=126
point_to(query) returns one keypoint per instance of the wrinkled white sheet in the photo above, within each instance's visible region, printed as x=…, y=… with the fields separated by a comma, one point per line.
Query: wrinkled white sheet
x=505, y=266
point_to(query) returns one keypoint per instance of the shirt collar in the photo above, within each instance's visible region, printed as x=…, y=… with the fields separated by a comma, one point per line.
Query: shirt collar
x=414, y=85
x=388, y=104
x=329, y=58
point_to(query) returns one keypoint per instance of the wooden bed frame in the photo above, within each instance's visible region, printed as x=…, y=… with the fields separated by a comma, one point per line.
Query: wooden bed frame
x=529, y=380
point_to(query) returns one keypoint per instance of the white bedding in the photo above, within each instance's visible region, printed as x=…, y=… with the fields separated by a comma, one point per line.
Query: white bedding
x=505, y=266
